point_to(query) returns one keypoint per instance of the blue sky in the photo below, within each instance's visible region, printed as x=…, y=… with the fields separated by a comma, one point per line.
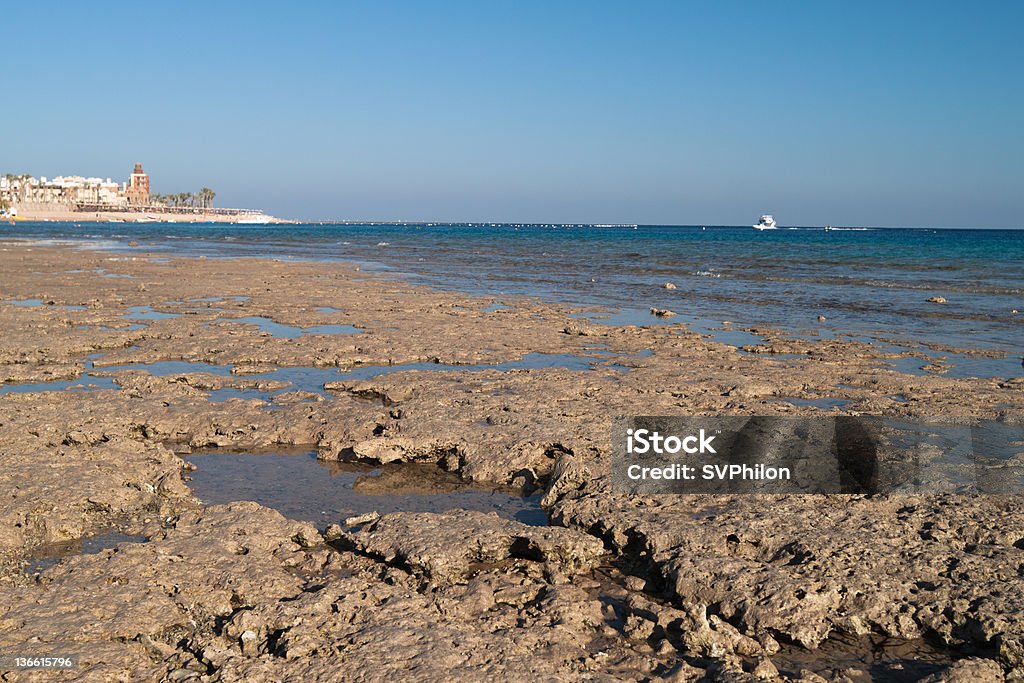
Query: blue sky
x=850, y=113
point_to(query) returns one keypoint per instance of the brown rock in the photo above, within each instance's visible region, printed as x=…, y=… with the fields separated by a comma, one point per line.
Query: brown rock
x=969, y=670
x=443, y=547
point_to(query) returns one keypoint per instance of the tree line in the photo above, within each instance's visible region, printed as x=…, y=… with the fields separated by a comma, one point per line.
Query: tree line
x=202, y=199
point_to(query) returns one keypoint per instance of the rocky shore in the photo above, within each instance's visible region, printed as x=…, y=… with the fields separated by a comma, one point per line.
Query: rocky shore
x=137, y=359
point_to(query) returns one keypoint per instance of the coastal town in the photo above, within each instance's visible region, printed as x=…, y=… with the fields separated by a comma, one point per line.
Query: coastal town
x=77, y=198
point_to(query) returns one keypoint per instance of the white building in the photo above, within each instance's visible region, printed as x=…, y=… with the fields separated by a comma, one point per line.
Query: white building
x=61, y=190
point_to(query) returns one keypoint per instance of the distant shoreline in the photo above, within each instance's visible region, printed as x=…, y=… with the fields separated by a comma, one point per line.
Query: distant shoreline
x=67, y=216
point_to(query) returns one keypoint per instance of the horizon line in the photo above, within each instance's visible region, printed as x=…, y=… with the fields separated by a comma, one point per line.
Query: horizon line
x=617, y=224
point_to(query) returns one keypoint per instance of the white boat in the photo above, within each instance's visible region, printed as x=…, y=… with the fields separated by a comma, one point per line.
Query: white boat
x=257, y=219
x=767, y=222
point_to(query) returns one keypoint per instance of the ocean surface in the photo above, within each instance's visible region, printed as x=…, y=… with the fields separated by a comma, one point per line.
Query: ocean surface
x=868, y=283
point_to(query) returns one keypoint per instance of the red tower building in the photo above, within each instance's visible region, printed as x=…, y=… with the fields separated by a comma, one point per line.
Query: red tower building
x=138, y=187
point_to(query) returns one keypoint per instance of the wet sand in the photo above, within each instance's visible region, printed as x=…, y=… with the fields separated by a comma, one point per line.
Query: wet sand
x=114, y=365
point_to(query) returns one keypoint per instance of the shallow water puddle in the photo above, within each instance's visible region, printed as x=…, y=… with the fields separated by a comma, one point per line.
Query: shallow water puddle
x=219, y=298
x=531, y=361
x=226, y=393
x=32, y=303
x=314, y=379
x=205, y=300
x=302, y=487
x=624, y=317
x=84, y=383
x=824, y=403
x=276, y=329
x=50, y=554
x=955, y=365
x=703, y=326
x=165, y=368
x=306, y=378
x=301, y=378
x=89, y=380
x=147, y=313
x=959, y=366
x=725, y=335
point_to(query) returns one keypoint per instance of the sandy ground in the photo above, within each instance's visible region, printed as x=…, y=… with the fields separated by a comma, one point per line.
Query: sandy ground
x=719, y=587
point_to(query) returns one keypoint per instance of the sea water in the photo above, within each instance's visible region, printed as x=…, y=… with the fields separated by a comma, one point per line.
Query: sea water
x=871, y=283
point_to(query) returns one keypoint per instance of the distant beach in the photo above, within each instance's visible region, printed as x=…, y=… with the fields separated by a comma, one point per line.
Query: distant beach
x=31, y=215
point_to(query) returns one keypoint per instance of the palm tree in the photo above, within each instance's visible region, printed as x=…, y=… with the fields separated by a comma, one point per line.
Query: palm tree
x=206, y=196
x=23, y=186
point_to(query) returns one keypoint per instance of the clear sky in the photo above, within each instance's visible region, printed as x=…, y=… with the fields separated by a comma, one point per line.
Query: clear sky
x=850, y=113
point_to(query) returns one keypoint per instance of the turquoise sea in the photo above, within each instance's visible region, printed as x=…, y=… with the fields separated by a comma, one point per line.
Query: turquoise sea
x=868, y=283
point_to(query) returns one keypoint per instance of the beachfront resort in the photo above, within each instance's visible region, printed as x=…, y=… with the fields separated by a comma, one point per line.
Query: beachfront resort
x=79, y=198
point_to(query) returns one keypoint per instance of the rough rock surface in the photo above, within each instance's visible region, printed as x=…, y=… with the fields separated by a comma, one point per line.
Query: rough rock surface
x=724, y=588
x=445, y=548
x=907, y=567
